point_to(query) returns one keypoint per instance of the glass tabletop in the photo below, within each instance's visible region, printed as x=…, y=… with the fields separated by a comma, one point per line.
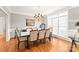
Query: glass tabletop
x=74, y=38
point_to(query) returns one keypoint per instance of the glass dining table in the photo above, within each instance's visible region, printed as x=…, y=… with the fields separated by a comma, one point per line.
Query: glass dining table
x=74, y=41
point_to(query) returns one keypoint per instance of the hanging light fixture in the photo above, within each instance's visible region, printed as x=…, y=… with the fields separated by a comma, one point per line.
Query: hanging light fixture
x=39, y=16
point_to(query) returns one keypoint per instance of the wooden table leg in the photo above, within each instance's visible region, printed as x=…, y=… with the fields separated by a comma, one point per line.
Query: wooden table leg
x=28, y=47
x=25, y=43
x=72, y=45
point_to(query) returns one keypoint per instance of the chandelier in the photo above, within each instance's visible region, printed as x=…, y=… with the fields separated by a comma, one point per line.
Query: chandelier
x=39, y=16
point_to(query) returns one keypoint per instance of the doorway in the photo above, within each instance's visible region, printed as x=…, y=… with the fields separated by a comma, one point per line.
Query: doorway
x=2, y=23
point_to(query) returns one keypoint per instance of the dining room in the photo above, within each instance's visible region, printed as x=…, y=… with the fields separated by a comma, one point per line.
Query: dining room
x=40, y=29
x=28, y=29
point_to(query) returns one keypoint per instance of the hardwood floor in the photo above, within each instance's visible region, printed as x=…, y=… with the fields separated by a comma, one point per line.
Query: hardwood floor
x=56, y=45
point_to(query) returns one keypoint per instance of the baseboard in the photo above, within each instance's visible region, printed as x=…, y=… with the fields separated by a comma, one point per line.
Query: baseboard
x=63, y=38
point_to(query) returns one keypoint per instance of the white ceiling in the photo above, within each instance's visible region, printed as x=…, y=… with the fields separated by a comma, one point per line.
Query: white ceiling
x=32, y=10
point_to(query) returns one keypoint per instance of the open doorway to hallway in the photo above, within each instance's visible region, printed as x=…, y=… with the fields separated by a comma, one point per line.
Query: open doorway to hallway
x=2, y=25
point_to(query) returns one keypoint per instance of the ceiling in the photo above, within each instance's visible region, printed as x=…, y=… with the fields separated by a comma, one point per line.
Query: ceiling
x=32, y=10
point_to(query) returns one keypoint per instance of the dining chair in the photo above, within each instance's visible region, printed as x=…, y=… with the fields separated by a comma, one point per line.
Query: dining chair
x=20, y=38
x=41, y=35
x=48, y=34
x=33, y=37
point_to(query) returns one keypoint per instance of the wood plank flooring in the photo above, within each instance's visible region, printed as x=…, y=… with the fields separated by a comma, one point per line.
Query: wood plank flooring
x=56, y=45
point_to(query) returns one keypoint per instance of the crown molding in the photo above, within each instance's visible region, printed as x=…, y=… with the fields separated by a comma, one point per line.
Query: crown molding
x=48, y=13
x=61, y=10
x=20, y=13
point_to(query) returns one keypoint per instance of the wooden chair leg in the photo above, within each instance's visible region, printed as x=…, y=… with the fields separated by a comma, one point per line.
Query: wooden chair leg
x=28, y=44
x=36, y=42
x=40, y=41
x=44, y=40
x=49, y=38
x=18, y=44
x=25, y=44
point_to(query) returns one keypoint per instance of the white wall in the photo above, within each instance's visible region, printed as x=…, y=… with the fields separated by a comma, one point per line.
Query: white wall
x=17, y=21
x=73, y=18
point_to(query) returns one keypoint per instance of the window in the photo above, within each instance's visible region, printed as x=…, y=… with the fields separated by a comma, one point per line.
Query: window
x=55, y=25
x=59, y=23
x=63, y=26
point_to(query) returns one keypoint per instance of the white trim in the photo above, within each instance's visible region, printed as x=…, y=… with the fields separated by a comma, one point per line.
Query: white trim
x=20, y=13
x=4, y=10
x=61, y=10
x=61, y=37
x=29, y=14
